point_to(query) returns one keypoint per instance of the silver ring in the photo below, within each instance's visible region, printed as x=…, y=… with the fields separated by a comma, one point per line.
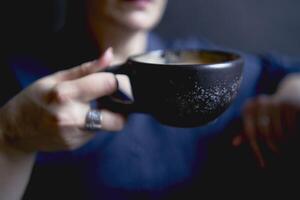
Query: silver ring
x=93, y=120
x=264, y=120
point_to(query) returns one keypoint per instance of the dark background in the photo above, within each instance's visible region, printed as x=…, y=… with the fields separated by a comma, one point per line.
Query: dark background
x=249, y=25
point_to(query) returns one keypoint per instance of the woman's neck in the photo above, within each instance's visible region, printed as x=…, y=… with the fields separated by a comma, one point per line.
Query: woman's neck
x=124, y=42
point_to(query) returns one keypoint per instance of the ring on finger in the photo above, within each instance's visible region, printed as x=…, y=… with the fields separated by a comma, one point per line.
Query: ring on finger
x=93, y=120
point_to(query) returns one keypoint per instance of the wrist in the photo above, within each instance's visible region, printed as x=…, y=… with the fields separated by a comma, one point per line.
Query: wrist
x=15, y=168
x=8, y=150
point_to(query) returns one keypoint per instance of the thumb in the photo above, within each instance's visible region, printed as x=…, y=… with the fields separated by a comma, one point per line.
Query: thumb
x=87, y=68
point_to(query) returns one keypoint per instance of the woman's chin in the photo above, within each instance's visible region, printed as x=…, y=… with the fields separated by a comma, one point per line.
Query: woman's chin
x=138, y=22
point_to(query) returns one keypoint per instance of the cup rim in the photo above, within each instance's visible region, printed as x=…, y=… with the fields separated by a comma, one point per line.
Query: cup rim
x=236, y=58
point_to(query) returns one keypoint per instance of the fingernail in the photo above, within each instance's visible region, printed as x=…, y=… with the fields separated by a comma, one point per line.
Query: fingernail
x=108, y=54
x=106, y=57
x=124, y=93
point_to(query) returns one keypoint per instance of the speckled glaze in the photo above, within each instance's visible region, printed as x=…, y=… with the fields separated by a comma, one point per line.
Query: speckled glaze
x=183, y=95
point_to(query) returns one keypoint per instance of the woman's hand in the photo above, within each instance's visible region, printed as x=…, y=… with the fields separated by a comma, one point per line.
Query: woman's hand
x=50, y=114
x=271, y=120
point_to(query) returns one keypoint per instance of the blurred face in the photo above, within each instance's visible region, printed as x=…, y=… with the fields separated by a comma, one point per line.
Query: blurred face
x=133, y=14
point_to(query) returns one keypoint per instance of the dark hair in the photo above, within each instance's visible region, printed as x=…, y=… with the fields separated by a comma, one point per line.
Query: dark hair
x=74, y=14
x=53, y=30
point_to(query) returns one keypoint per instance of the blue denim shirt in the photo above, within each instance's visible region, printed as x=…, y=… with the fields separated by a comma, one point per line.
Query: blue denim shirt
x=146, y=159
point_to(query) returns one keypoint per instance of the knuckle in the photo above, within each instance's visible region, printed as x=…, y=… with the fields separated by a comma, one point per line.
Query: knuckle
x=60, y=120
x=83, y=69
x=110, y=83
x=59, y=94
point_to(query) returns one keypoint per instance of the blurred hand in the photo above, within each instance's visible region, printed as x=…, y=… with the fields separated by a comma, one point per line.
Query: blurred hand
x=50, y=114
x=271, y=120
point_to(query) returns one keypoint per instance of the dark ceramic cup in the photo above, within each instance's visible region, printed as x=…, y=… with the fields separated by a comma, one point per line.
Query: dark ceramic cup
x=180, y=88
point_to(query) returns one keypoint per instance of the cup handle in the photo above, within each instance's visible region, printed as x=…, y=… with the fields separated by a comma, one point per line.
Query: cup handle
x=122, y=100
